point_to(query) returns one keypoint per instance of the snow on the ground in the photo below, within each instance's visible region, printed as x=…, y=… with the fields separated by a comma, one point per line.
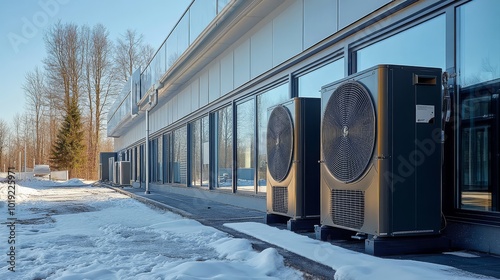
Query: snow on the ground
x=349, y=264
x=76, y=231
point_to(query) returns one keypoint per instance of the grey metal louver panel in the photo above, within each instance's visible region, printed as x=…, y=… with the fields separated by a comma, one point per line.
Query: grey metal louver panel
x=280, y=199
x=348, y=132
x=279, y=143
x=348, y=208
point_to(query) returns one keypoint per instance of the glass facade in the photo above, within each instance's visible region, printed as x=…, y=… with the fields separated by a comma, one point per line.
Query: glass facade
x=478, y=68
x=421, y=45
x=245, y=146
x=266, y=100
x=199, y=152
x=159, y=159
x=224, y=146
x=179, y=156
x=309, y=85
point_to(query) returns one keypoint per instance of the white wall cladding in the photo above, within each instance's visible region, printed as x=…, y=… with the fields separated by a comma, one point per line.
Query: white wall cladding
x=184, y=103
x=316, y=30
x=352, y=10
x=288, y=33
x=261, y=50
x=285, y=32
x=204, y=89
x=214, y=81
x=242, y=63
x=195, y=94
x=226, y=73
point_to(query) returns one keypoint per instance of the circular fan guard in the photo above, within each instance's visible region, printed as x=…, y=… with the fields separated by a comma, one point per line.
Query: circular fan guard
x=279, y=143
x=348, y=132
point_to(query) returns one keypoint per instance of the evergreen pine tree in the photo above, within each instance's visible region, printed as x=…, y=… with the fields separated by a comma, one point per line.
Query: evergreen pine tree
x=67, y=150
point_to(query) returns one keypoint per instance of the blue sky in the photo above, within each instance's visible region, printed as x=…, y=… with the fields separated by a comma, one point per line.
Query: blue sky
x=23, y=24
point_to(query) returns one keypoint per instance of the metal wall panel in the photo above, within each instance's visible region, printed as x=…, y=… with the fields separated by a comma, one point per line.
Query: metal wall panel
x=287, y=33
x=261, y=50
x=195, y=94
x=316, y=30
x=214, y=81
x=226, y=74
x=204, y=88
x=352, y=10
x=175, y=108
x=242, y=63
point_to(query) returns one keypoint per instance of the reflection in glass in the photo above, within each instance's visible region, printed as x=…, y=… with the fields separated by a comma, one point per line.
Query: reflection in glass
x=421, y=45
x=166, y=158
x=310, y=84
x=199, y=152
x=179, y=156
x=476, y=168
x=478, y=69
x=264, y=101
x=153, y=160
x=478, y=55
x=205, y=155
x=224, y=119
x=195, y=128
x=245, y=141
x=159, y=159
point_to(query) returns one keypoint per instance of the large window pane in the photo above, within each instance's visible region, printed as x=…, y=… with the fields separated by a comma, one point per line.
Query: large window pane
x=195, y=153
x=478, y=55
x=421, y=45
x=166, y=158
x=310, y=84
x=245, y=141
x=224, y=126
x=179, y=156
x=478, y=69
x=264, y=102
x=159, y=160
x=205, y=154
x=199, y=152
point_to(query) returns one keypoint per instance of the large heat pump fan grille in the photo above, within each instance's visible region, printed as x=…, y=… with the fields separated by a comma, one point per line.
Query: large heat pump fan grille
x=348, y=131
x=279, y=143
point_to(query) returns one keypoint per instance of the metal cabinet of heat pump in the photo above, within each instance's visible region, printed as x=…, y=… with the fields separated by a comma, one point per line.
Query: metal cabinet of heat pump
x=381, y=151
x=293, y=132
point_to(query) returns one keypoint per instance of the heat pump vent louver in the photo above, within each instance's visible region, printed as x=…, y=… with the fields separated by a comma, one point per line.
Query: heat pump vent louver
x=348, y=132
x=280, y=199
x=348, y=208
x=279, y=143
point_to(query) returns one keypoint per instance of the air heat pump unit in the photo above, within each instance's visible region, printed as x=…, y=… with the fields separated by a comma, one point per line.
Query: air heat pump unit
x=381, y=152
x=122, y=173
x=293, y=144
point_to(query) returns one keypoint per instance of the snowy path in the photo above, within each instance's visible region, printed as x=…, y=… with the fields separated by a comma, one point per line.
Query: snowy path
x=85, y=232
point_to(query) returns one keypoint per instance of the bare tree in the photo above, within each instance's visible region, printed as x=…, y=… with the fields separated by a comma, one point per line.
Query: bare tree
x=35, y=90
x=131, y=53
x=4, y=135
x=64, y=60
x=100, y=86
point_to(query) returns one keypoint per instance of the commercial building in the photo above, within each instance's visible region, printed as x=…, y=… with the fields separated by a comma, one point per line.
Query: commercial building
x=226, y=62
